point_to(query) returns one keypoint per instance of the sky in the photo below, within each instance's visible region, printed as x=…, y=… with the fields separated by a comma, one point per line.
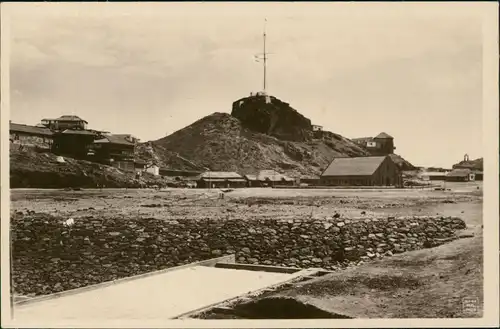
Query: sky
x=356, y=70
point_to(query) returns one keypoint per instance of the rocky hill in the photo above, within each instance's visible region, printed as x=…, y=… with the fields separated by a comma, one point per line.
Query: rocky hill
x=32, y=169
x=262, y=132
x=402, y=163
x=221, y=142
x=476, y=164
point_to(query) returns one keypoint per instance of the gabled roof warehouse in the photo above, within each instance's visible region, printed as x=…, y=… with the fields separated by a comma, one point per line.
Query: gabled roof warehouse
x=360, y=166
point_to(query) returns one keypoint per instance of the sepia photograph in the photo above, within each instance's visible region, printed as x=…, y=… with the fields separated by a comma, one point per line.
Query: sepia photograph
x=222, y=164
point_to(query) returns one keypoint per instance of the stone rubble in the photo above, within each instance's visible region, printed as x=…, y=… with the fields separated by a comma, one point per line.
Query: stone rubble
x=51, y=257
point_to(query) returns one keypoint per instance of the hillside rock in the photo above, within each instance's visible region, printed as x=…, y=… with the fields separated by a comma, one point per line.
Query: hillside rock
x=221, y=142
x=402, y=163
x=32, y=169
x=476, y=164
x=271, y=116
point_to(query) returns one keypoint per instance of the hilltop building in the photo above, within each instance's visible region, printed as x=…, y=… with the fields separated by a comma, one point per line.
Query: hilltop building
x=382, y=144
x=74, y=143
x=26, y=135
x=117, y=150
x=362, y=171
x=65, y=122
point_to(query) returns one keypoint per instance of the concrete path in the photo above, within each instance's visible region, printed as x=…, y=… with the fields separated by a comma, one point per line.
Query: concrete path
x=158, y=297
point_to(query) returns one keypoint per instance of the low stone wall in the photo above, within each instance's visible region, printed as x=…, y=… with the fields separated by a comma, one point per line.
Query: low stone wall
x=51, y=257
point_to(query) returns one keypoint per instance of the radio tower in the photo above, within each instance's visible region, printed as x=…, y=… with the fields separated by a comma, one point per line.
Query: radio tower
x=263, y=56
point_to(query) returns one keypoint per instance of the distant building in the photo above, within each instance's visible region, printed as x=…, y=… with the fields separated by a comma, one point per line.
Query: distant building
x=317, y=128
x=382, y=144
x=460, y=175
x=116, y=150
x=252, y=181
x=309, y=180
x=220, y=179
x=31, y=135
x=269, y=178
x=153, y=169
x=434, y=175
x=146, y=167
x=478, y=175
x=362, y=171
x=65, y=122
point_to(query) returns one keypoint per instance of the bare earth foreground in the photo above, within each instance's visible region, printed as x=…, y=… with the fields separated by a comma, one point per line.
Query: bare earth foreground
x=429, y=282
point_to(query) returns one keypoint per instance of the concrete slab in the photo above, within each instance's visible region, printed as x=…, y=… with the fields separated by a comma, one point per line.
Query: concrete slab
x=158, y=297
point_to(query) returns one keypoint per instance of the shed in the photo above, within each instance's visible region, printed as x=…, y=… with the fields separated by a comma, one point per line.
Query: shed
x=362, y=171
x=221, y=179
x=269, y=178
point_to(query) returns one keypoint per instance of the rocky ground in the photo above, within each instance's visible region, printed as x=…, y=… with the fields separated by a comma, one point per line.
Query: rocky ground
x=30, y=168
x=118, y=233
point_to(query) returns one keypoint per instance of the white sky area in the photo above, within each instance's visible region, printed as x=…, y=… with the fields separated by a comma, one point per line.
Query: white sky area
x=356, y=69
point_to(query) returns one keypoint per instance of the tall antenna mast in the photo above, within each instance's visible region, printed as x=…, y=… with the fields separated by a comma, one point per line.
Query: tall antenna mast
x=263, y=57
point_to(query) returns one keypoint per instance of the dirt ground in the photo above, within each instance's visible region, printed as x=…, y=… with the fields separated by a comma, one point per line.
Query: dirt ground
x=464, y=200
x=428, y=283
x=461, y=200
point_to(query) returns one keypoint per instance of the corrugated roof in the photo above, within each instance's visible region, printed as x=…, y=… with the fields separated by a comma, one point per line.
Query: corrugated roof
x=384, y=135
x=459, y=173
x=220, y=174
x=116, y=139
x=251, y=177
x=359, y=166
x=16, y=127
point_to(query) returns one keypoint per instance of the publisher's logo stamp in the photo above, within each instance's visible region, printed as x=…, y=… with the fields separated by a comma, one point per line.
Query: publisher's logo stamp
x=470, y=305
